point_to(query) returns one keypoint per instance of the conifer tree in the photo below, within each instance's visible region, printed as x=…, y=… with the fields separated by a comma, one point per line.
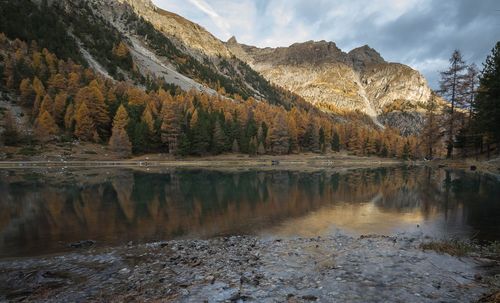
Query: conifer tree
x=278, y=135
x=451, y=85
x=171, y=125
x=371, y=146
x=57, y=83
x=321, y=138
x=147, y=118
x=200, y=133
x=119, y=141
x=69, y=117
x=431, y=132
x=261, y=150
x=121, y=50
x=27, y=92
x=47, y=105
x=405, y=154
x=335, y=142
x=84, y=125
x=45, y=127
x=11, y=133
x=219, y=138
x=38, y=87
x=60, y=107
x=236, y=147
x=252, y=147
x=487, y=104
x=97, y=108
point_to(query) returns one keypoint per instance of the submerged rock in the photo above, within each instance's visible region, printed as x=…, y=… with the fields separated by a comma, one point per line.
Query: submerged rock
x=82, y=244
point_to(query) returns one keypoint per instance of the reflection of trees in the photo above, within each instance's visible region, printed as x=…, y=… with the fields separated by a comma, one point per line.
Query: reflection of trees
x=124, y=187
x=160, y=206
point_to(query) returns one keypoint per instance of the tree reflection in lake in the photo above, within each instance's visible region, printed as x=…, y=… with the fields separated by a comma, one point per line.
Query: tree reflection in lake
x=40, y=215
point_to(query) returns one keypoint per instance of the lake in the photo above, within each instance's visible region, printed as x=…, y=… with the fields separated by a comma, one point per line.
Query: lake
x=44, y=210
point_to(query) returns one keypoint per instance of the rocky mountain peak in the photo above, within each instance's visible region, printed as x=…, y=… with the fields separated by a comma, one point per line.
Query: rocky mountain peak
x=232, y=40
x=305, y=53
x=364, y=56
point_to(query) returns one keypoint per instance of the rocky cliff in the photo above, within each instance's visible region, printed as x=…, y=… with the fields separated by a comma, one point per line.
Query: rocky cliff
x=333, y=80
x=187, y=35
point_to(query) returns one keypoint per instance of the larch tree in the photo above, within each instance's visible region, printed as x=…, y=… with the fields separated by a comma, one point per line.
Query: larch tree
x=73, y=83
x=69, y=117
x=471, y=83
x=60, y=107
x=171, y=125
x=94, y=100
x=278, y=135
x=47, y=105
x=147, y=118
x=121, y=50
x=120, y=141
x=84, y=124
x=57, y=83
x=451, y=85
x=431, y=133
x=27, y=92
x=45, y=127
x=38, y=87
x=294, y=133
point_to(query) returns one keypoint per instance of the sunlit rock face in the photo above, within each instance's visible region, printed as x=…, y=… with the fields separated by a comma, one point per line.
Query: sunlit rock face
x=335, y=81
x=188, y=35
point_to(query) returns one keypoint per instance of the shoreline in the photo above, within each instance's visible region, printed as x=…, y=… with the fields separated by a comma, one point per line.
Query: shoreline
x=369, y=268
x=224, y=161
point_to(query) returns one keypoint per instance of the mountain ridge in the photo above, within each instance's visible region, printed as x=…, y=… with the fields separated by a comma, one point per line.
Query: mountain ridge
x=336, y=81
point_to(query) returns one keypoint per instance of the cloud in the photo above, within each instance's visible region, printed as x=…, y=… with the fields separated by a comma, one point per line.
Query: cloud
x=420, y=33
x=214, y=16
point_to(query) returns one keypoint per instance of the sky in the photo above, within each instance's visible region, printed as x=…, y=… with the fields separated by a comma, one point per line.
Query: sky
x=419, y=33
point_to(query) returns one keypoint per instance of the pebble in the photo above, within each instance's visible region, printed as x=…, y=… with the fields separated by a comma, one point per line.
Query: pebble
x=124, y=271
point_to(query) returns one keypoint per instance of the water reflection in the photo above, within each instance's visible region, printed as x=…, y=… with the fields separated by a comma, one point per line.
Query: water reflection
x=41, y=215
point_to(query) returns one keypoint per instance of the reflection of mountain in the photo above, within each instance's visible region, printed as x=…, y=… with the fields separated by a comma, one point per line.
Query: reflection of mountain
x=145, y=206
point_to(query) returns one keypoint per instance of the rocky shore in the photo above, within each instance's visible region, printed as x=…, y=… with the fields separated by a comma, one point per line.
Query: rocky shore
x=339, y=268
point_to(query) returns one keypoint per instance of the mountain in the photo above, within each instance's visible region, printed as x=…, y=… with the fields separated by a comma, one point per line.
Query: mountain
x=228, y=96
x=335, y=81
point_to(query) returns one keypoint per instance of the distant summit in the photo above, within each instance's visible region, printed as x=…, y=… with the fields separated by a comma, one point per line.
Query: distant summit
x=232, y=40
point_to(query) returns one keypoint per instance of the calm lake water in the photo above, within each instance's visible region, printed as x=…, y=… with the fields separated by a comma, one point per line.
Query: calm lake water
x=42, y=211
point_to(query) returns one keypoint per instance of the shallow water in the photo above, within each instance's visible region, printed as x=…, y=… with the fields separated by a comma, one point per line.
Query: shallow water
x=43, y=211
